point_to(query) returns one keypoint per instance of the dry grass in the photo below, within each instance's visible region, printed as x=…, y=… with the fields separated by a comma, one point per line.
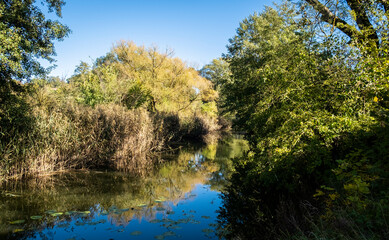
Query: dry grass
x=71, y=136
x=67, y=136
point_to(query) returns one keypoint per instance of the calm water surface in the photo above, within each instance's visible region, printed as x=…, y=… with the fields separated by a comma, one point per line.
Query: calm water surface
x=179, y=199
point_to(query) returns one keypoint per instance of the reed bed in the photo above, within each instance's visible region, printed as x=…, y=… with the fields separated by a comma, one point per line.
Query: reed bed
x=65, y=135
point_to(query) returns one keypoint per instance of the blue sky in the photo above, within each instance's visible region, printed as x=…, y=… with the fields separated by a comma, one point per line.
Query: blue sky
x=197, y=31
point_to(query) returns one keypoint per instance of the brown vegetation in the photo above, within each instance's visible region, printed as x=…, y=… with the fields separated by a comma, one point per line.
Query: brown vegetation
x=67, y=135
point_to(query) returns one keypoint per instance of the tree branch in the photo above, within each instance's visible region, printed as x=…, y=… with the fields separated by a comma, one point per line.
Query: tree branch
x=330, y=18
x=362, y=19
x=385, y=3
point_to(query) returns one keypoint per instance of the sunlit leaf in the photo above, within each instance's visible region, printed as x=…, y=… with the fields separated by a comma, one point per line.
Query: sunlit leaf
x=160, y=200
x=56, y=214
x=12, y=195
x=17, y=222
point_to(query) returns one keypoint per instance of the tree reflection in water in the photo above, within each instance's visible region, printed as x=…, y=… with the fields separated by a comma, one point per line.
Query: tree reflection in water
x=84, y=197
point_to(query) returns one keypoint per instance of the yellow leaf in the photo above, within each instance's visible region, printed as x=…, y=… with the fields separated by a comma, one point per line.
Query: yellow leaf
x=333, y=196
x=375, y=99
x=318, y=193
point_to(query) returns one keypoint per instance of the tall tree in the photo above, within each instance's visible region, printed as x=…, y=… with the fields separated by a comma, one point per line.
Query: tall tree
x=26, y=35
x=315, y=114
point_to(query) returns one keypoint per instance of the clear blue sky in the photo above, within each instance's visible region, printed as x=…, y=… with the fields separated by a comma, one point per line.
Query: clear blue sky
x=197, y=31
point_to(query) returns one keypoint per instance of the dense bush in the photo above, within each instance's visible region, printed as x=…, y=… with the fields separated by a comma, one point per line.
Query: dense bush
x=315, y=112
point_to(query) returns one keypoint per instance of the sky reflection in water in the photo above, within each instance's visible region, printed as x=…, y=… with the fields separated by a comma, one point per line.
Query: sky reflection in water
x=178, y=200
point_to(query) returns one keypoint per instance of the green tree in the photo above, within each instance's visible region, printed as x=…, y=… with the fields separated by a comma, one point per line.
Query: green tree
x=25, y=37
x=136, y=76
x=218, y=72
x=310, y=107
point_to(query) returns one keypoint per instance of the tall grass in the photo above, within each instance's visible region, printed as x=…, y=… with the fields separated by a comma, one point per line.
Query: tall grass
x=66, y=135
x=71, y=136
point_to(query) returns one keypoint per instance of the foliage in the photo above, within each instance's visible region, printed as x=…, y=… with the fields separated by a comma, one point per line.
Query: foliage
x=144, y=78
x=315, y=115
x=362, y=21
x=111, y=115
x=25, y=36
x=219, y=73
x=136, y=76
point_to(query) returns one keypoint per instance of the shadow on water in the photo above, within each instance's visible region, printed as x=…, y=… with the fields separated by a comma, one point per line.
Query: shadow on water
x=178, y=198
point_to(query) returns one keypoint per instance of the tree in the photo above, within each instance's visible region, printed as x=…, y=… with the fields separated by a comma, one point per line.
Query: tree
x=218, y=72
x=136, y=76
x=311, y=109
x=26, y=36
x=361, y=20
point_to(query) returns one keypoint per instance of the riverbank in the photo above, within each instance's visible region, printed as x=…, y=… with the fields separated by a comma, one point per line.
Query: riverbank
x=70, y=136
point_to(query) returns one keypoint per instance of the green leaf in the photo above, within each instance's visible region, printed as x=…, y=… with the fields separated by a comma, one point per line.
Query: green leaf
x=17, y=222
x=56, y=214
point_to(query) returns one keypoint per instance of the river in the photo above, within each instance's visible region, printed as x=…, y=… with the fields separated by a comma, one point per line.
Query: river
x=178, y=198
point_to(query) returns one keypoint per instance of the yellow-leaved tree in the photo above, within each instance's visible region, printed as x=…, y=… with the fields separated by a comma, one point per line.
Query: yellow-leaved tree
x=141, y=77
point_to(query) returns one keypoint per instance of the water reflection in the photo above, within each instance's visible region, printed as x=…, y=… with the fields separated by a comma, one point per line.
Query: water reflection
x=178, y=198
